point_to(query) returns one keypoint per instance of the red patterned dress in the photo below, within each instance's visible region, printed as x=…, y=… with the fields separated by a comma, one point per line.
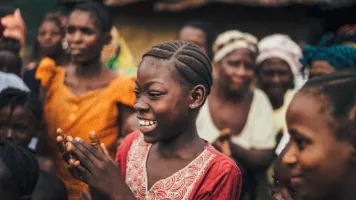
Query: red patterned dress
x=211, y=175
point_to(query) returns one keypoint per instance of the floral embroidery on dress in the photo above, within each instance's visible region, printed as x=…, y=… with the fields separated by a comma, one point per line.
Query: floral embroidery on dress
x=176, y=187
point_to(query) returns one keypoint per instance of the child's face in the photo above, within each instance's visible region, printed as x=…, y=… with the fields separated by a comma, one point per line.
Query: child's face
x=18, y=126
x=320, y=68
x=162, y=105
x=8, y=189
x=318, y=163
x=50, y=37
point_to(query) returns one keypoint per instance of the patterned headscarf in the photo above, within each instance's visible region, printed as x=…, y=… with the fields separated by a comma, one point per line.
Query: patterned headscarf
x=231, y=40
x=339, y=56
x=347, y=35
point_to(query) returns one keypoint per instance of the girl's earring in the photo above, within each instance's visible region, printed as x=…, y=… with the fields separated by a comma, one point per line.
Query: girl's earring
x=64, y=44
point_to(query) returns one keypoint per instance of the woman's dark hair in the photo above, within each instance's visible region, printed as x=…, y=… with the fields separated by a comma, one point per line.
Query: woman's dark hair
x=191, y=63
x=337, y=92
x=59, y=20
x=10, y=62
x=99, y=11
x=13, y=97
x=10, y=44
x=209, y=32
x=23, y=167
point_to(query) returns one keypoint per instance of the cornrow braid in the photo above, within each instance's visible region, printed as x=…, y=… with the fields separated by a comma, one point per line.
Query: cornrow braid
x=339, y=91
x=192, y=64
x=23, y=167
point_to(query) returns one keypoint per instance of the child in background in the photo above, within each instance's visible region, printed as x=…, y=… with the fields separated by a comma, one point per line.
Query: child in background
x=21, y=117
x=19, y=172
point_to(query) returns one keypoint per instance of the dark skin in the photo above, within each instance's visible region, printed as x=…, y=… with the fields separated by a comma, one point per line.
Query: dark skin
x=49, y=38
x=86, y=73
x=320, y=165
x=175, y=141
x=281, y=188
x=194, y=36
x=320, y=68
x=275, y=78
x=231, y=98
x=18, y=126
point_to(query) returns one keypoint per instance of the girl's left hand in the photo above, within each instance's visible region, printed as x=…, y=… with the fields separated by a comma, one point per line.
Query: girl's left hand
x=96, y=168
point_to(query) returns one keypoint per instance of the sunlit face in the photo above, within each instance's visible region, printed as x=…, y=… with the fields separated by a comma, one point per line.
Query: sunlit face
x=50, y=38
x=320, y=68
x=84, y=37
x=236, y=70
x=18, y=126
x=8, y=188
x=275, y=77
x=195, y=36
x=162, y=103
x=317, y=161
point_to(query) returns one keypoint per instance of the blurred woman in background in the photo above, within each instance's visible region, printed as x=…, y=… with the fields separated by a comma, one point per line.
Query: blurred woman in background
x=50, y=43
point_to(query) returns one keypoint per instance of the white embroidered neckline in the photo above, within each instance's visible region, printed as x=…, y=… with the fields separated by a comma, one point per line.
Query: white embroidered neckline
x=177, y=186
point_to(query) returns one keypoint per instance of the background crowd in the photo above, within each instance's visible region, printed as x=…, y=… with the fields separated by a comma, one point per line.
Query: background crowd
x=258, y=103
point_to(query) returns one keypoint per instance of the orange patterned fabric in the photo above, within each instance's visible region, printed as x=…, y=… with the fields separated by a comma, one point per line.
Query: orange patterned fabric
x=78, y=115
x=211, y=175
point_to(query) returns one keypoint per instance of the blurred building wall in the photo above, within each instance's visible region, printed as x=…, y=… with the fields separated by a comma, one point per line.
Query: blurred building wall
x=142, y=27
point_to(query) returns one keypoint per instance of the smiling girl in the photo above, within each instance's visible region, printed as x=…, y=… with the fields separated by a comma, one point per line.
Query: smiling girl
x=321, y=153
x=165, y=159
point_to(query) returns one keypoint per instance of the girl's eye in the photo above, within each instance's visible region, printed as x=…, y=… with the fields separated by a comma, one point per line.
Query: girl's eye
x=137, y=93
x=301, y=143
x=155, y=94
x=87, y=31
x=70, y=29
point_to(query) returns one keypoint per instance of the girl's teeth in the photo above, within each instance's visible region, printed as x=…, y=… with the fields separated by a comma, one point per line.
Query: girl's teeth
x=147, y=123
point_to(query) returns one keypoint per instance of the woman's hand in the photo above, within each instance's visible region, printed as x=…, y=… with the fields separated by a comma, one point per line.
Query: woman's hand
x=222, y=143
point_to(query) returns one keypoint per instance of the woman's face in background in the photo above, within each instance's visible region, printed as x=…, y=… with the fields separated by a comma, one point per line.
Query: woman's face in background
x=50, y=38
x=195, y=36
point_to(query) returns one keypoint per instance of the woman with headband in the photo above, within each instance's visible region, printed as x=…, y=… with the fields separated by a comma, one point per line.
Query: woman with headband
x=237, y=118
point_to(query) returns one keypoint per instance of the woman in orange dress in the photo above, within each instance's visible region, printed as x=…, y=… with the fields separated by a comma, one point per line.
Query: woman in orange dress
x=85, y=95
